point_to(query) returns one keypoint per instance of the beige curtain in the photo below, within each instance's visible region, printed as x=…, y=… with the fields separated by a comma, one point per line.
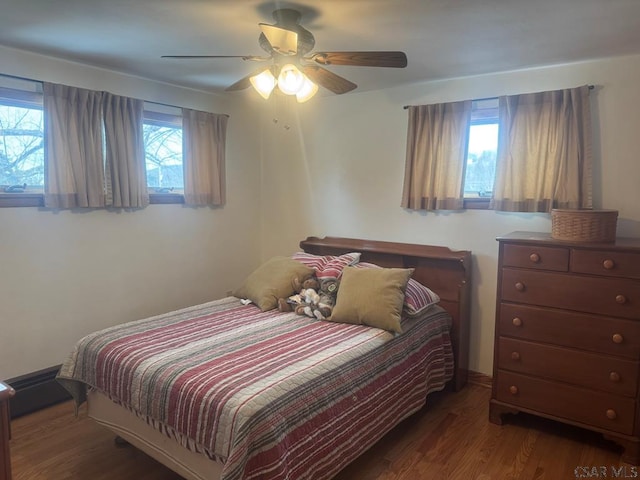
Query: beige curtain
x=74, y=175
x=544, y=152
x=204, y=142
x=436, y=148
x=126, y=174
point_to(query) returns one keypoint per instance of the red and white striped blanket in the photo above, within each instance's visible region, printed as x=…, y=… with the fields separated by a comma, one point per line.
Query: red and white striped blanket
x=270, y=395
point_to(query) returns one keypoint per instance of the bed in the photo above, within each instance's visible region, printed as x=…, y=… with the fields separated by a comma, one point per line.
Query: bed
x=227, y=391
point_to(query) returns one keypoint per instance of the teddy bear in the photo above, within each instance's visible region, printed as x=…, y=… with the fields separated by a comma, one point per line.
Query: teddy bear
x=302, y=298
x=322, y=301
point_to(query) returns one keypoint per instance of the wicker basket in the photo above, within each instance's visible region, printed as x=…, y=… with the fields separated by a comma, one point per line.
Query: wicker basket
x=584, y=225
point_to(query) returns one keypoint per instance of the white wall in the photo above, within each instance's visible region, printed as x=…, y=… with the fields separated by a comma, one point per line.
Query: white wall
x=64, y=274
x=345, y=178
x=332, y=166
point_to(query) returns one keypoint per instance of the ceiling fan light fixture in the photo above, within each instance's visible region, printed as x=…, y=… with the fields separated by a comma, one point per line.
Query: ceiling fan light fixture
x=290, y=80
x=307, y=91
x=264, y=83
x=287, y=41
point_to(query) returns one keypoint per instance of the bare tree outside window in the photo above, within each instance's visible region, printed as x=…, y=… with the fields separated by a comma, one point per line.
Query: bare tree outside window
x=163, y=154
x=21, y=146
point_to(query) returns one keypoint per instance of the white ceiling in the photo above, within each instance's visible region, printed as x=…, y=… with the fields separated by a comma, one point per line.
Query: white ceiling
x=442, y=38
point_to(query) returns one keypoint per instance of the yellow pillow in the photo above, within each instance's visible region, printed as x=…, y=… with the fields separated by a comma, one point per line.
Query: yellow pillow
x=372, y=296
x=271, y=281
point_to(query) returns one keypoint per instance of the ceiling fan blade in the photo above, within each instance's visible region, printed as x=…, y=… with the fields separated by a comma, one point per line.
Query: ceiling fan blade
x=240, y=84
x=361, y=59
x=282, y=40
x=245, y=82
x=328, y=80
x=254, y=58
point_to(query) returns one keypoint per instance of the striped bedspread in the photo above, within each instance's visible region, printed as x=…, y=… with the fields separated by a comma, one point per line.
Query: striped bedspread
x=270, y=395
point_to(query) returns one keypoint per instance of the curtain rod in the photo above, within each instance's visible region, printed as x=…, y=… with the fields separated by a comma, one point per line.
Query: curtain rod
x=591, y=87
x=176, y=106
x=26, y=79
x=16, y=77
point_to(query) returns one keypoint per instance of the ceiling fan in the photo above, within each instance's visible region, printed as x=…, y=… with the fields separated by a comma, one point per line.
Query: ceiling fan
x=293, y=69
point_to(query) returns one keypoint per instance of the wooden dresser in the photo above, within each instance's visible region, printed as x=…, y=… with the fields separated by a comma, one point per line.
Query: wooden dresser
x=567, y=341
x=6, y=392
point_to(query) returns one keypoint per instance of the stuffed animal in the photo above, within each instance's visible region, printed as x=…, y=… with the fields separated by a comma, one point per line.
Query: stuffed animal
x=310, y=296
x=321, y=306
x=309, y=282
x=299, y=300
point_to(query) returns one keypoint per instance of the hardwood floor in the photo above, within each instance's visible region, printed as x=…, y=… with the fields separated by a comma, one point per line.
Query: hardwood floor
x=449, y=439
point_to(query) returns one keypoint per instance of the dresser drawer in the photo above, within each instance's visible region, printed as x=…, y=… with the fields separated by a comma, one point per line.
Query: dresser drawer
x=577, y=404
x=607, y=296
x=600, y=372
x=538, y=257
x=603, y=262
x=613, y=336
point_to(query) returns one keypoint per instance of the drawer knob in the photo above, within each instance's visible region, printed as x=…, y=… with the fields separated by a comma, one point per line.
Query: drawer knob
x=519, y=286
x=608, y=264
x=611, y=414
x=517, y=322
x=617, y=338
x=513, y=390
x=515, y=356
x=614, y=377
x=621, y=299
x=534, y=257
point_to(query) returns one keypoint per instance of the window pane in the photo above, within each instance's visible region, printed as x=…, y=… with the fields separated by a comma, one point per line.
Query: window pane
x=21, y=146
x=481, y=160
x=163, y=153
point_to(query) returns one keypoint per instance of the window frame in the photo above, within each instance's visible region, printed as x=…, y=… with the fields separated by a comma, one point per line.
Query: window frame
x=31, y=99
x=483, y=112
x=153, y=117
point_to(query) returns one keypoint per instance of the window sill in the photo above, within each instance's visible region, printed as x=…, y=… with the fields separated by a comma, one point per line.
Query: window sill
x=165, y=198
x=21, y=200
x=37, y=199
x=476, y=203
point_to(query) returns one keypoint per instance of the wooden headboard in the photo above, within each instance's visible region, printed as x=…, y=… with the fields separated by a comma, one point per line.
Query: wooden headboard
x=446, y=272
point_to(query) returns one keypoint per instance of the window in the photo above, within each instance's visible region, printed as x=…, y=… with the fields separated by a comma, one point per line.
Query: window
x=24, y=170
x=486, y=149
x=482, y=149
x=22, y=147
x=21, y=141
x=163, y=152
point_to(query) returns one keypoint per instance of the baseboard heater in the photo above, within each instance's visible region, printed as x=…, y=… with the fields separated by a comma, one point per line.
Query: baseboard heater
x=35, y=391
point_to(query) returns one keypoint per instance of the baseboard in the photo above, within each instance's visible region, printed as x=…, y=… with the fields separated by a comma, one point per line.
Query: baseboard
x=35, y=391
x=477, y=378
